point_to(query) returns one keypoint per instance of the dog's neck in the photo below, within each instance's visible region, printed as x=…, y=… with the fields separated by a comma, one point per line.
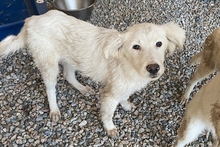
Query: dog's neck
x=127, y=76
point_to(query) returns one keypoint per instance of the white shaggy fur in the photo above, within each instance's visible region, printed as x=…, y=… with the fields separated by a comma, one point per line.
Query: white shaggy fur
x=202, y=113
x=123, y=62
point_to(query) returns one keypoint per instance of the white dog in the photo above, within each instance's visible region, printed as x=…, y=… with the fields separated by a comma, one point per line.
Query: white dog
x=123, y=62
x=202, y=113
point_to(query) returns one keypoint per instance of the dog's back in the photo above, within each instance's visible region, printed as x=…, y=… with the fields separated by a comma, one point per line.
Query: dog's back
x=65, y=38
x=35, y=30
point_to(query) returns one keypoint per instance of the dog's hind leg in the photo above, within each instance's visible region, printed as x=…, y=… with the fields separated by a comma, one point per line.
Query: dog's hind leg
x=202, y=72
x=215, y=141
x=216, y=137
x=189, y=130
x=69, y=74
x=196, y=58
x=49, y=69
x=215, y=119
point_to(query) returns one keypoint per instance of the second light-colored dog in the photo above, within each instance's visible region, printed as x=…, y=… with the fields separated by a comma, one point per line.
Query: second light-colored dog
x=123, y=62
x=209, y=59
x=202, y=113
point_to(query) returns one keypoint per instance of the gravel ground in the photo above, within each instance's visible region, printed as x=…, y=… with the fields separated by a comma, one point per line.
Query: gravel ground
x=24, y=110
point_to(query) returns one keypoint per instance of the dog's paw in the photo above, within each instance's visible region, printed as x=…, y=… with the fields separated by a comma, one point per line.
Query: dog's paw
x=183, y=100
x=55, y=115
x=87, y=91
x=127, y=105
x=112, y=133
x=215, y=142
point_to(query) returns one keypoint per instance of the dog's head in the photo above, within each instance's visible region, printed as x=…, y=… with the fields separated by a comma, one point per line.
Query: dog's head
x=144, y=47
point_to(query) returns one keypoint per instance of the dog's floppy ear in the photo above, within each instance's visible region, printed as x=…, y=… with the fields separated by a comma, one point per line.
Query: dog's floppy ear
x=175, y=36
x=112, y=45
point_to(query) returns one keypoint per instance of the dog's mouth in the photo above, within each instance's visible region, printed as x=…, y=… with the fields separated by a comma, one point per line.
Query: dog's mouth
x=154, y=76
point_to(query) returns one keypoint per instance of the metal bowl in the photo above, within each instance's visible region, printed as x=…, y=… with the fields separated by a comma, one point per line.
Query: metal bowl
x=80, y=9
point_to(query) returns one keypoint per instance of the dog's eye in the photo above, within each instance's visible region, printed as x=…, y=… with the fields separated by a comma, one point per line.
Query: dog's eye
x=159, y=44
x=136, y=47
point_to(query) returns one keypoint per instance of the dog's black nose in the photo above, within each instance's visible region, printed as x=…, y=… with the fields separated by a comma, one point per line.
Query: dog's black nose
x=153, y=68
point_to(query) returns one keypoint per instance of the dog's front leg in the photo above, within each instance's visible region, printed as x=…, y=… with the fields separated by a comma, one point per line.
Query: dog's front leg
x=108, y=106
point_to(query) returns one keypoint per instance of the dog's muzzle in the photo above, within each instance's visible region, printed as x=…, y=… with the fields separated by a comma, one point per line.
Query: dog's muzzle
x=153, y=69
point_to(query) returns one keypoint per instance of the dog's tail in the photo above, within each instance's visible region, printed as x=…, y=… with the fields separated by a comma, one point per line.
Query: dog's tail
x=197, y=58
x=12, y=43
